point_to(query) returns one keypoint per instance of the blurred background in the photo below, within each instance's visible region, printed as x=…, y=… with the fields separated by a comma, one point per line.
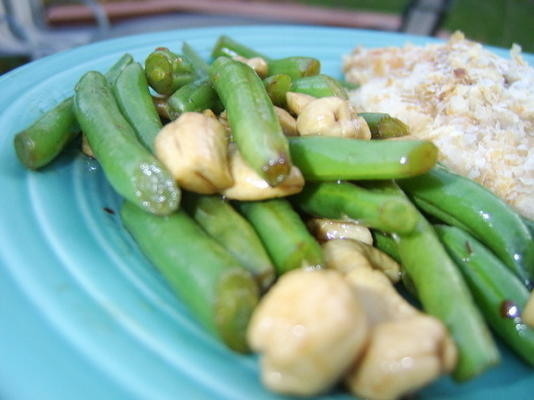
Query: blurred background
x=30, y=29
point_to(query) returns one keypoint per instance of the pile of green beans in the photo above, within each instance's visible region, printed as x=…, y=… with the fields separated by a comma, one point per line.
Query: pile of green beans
x=221, y=256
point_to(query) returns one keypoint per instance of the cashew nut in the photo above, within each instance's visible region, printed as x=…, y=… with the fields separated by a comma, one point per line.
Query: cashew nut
x=194, y=149
x=297, y=101
x=248, y=185
x=402, y=356
x=287, y=122
x=347, y=255
x=332, y=116
x=258, y=64
x=308, y=328
x=407, y=349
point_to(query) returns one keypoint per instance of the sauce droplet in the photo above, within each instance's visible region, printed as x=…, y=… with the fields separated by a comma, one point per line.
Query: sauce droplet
x=509, y=309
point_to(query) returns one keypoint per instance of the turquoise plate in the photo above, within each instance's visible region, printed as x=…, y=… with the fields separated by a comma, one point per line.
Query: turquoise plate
x=83, y=314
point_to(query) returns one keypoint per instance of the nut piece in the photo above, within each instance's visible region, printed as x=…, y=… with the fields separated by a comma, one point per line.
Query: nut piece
x=248, y=185
x=332, y=116
x=287, y=122
x=528, y=311
x=258, y=64
x=407, y=349
x=297, y=101
x=308, y=328
x=329, y=229
x=402, y=356
x=194, y=149
x=348, y=255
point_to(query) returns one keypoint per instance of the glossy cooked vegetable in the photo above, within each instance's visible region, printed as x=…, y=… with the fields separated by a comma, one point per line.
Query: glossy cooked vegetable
x=488, y=218
x=195, y=96
x=132, y=171
x=333, y=158
x=444, y=294
x=199, y=66
x=43, y=141
x=277, y=87
x=384, y=126
x=166, y=71
x=228, y=47
x=283, y=234
x=233, y=232
x=385, y=243
x=255, y=126
x=500, y=295
x=295, y=67
x=219, y=292
x=319, y=86
x=134, y=100
x=346, y=200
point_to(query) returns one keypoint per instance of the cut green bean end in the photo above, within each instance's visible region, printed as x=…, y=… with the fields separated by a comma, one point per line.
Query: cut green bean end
x=156, y=191
x=276, y=171
x=25, y=149
x=237, y=296
x=419, y=160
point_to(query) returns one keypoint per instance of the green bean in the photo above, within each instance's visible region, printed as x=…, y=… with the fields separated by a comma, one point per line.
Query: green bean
x=434, y=212
x=134, y=100
x=444, y=294
x=228, y=47
x=277, y=87
x=195, y=96
x=117, y=68
x=163, y=108
x=385, y=243
x=255, y=126
x=500, y=295
x=283, y=233
x=233, y=232
x=166, y=71
x=220, y=294
x=295, y=67
x=200, y=67
x=132, y=171
x=346, y=200
x=530, y=225
x=388, y=245
x=332, y=158
x=384, y=126
x=319, y=86
x=41, y=142
x=486, y=217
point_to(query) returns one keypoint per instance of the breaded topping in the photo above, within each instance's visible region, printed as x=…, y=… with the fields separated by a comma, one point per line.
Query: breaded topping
x=477, y=107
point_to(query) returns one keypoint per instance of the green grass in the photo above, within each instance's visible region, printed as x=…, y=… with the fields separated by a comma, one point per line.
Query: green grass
x=495, y=22
x=8, y=63
x=388, y=6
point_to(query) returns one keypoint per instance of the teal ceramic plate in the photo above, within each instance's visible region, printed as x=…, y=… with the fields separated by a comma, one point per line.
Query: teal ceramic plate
x=83, y=314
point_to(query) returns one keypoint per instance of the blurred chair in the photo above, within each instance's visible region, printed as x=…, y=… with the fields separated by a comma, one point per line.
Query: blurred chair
x=424, y=17
x=24, y=31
